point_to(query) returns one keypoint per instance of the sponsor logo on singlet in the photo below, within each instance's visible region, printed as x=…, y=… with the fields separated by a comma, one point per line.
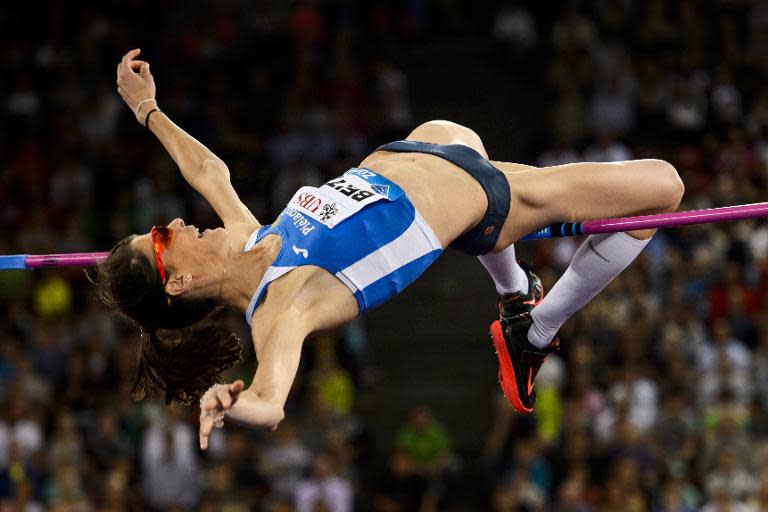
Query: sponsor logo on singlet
x=308, y=201
x=333, y=201
x=329, y=210
x=303, y=224
x=381, y=189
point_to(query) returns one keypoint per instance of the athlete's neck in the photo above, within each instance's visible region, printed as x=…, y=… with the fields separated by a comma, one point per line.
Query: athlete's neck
x=246, y=270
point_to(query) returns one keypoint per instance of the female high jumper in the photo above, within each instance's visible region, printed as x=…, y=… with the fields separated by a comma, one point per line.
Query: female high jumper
x=347, y=246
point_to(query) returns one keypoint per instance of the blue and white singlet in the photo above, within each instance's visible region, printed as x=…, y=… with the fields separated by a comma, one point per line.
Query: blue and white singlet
x=361, y=228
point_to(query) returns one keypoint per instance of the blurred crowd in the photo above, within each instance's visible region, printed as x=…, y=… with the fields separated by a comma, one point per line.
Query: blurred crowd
x=657, y=399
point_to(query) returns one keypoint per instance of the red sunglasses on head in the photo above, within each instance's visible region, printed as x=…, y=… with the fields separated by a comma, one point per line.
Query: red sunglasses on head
x=161, y=237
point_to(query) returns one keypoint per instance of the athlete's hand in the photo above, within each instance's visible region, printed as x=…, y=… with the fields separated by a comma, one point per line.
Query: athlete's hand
x=136, y=84
x=213, y=406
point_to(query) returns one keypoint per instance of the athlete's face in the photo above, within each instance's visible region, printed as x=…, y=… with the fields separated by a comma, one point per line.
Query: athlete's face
x=184, y=253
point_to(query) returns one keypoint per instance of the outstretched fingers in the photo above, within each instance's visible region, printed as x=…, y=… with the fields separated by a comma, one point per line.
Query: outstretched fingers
x=211, y=411
x=214, y=404
x=206, y=425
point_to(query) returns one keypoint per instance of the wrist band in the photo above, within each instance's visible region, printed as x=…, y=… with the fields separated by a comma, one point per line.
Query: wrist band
x=136, y=112
x=146, y=119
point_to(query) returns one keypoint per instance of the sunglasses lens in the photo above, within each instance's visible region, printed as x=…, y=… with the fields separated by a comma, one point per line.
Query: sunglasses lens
x=161, y=234
x=160, y=237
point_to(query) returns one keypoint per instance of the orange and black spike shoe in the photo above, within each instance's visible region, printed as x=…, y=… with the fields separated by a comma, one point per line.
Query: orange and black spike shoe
x=519, y=360
x=512, y=304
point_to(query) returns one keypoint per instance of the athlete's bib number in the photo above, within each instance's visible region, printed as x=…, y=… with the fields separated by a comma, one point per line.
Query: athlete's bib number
x=336, y=200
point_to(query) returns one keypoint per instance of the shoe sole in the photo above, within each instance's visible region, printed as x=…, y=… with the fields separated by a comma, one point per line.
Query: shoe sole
x=506, y=370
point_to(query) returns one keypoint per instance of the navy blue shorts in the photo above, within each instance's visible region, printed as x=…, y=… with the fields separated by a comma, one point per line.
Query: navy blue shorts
x=482, y=238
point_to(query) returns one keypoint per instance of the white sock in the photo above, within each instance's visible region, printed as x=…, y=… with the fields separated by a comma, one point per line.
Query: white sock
x=599, y=259
x=507, y=275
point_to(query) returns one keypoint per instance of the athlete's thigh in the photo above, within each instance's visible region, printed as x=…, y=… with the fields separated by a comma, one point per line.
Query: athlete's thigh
x=447, y=132
x=587, y=191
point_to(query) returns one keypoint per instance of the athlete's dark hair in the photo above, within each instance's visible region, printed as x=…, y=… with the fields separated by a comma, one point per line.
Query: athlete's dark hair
x=183, y=350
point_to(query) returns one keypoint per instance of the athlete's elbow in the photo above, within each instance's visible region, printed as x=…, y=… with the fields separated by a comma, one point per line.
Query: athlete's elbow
x=214, y=167
x=276, y=418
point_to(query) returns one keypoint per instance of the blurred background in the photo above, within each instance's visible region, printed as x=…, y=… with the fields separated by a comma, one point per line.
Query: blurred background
x=657, y=400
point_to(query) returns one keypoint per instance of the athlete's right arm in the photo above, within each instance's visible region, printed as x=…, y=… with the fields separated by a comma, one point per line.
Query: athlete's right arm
x=278, y=351
x=202, y=169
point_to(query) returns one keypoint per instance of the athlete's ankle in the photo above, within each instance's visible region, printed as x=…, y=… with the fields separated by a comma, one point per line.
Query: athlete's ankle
x=539, y=335
x=522, y=288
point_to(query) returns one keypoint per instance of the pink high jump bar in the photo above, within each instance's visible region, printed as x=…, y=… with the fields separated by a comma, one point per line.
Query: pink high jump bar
x=588, y=227
x=29, y=261
x=661, y=220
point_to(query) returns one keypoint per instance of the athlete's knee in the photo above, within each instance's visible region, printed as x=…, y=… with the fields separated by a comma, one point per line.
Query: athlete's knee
x=669, y=186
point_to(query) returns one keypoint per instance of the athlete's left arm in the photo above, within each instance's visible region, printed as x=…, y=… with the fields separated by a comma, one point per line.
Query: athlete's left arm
x=201, y=168
x=261, y=405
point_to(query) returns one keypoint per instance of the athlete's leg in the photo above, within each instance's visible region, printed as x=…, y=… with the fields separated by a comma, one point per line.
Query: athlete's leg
x=568, y=193
x=587, y=191
x=599, y=259
x=624, y=188
x=580, y=191
x=507, y=274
